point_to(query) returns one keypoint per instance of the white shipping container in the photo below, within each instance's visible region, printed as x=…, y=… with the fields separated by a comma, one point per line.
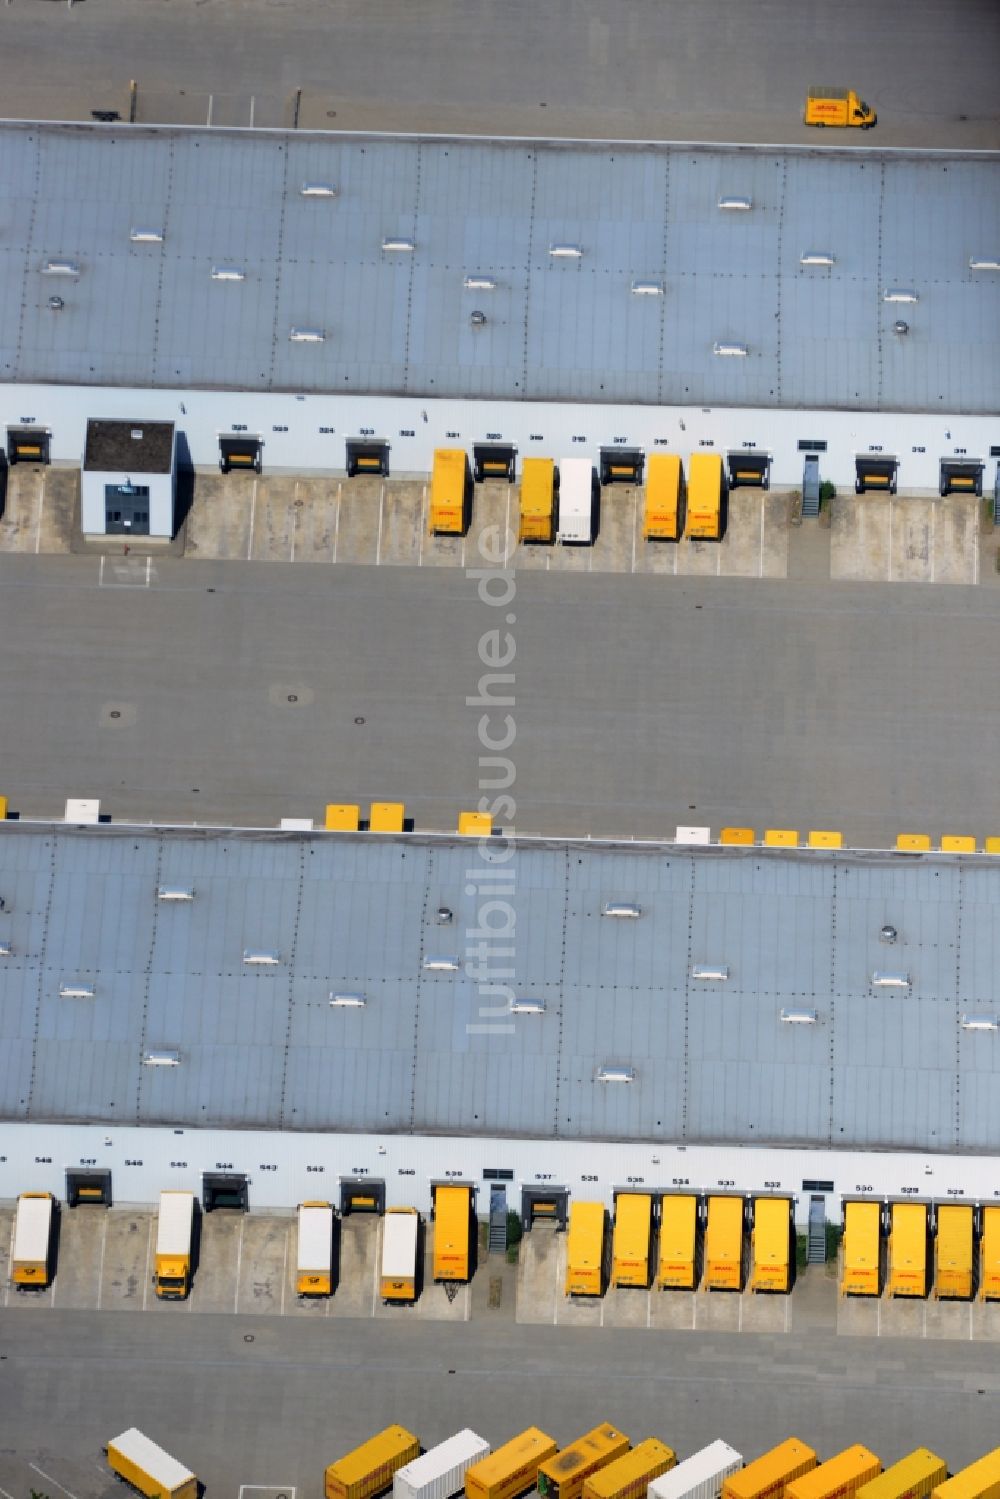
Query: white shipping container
x=399, y=1246
x=700, y=1476
x=173, y=1232
x=441, y=1471
x=32, y=1230
x=315, y=1238
x=576, y=500
x=165, y=1471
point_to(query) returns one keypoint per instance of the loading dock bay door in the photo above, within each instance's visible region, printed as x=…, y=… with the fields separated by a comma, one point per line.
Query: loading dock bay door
x=88, y=1187
x=493, y=461
x=749, y=470
x=962, y=476
x=621, y=465
x=876, y=472
x=544, y=1205
x=361, y=1194
x=240, y=453
x=27, y=445
x=222, y=1189
x=364, y=457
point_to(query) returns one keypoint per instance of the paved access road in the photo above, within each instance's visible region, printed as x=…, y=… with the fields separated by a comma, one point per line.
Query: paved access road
x=684, y=70
x=244, y=692
x=263, y=1402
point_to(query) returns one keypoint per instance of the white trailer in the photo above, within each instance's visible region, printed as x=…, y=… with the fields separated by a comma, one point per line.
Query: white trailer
x=314, y=1270
x=32, y=1238
x=576, y=500
x=441, y=1471
x=400, y=1234
x=700, y=1476
x=175, y=1224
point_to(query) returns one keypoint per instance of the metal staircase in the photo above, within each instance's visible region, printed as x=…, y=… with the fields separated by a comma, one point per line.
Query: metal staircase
x=816, y=1246
x=498, y=1220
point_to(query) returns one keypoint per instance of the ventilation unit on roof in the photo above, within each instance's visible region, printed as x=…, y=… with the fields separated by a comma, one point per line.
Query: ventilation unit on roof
x=730, y=351
x=55, y=304
x=444, y=916
x=6, y=951
x=612, y=1074
x=159, y=1058
x=306, y=335
x=477, y=319
x=647, y=288
x=738, y=205
x=566, y=252
x=479, y=283
x=887, y=934
x=984, y=265
x=797, y=1017
x=261, y=957
x=76, y=991
x=622, y=908
x=816, y=257
x=899, y=294
x=146, y=236
x=394, y=245
x=900, y=328
x=175, y=892
x=527, y=1007
x=318, y=190
x=712, y=971
x=883, y=980
x=228, y=273
x=980, y=1023
x=60, y=268
x=347, y=1001
x=441, y=965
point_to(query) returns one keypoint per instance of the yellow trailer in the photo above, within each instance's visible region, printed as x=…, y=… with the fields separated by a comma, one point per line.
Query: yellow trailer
x=661, y=516
x=585, y=1249
x=449, y=490
x=953, y=1252
x=563, y=1476
x=512, y=1469
x=632, y=1241
x=771, y=1268
x=629, y=1477
x=678, y=1266
x=839, y=1478
x=369, y=1469
x=138, y=1461
x=838, y=106
x=862, y=1249
x=768, y=1476
x=989, y=1255
x=980, y=1480
x=724, y=1244
x=913, y=1477
x=704, y=497
x=538, y=500
x=452, y=1230
x=908, y=1249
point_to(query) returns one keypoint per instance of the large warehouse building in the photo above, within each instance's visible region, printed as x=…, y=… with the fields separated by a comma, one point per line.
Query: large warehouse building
x=298, y=301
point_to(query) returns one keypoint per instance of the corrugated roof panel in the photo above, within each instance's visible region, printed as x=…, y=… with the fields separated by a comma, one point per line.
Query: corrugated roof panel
x=92, y=1080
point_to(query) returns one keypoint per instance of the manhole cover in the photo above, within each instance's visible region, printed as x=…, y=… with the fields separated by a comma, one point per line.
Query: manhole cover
x=248, y=1337
x=359, y=720
x=293, y=697
x=115, y=713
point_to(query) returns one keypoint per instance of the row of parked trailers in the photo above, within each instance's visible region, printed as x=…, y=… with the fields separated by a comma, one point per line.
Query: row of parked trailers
x=905, y=1247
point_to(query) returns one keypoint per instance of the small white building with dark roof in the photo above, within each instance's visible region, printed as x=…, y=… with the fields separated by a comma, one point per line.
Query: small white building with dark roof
x=128, y=481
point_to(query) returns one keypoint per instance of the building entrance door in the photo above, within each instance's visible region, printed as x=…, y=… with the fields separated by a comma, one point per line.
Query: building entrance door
x=126, y=509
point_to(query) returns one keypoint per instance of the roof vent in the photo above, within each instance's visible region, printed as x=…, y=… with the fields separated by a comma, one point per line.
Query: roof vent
x=56, y=304
x=884, y=980
x=347, y=1001
x=76, y=991
x=797, y=1017
x=228, y=273
x=566, y=252
x=441, y=965
x=444, y=916
x=900, y=328
x=479, y=283
x=175, y=892
x=730, y=351
x=622, y=908
x=980, y=1023
x=146, y=236
x=393, y=245
x=527, y=1007
x=318, y=190
x=257, y=957
x=6, y=950
x=60, y=268
x=609, y=1073
x=647, y=288
x=888, y=934
x=816, y=257
x=984, y=265
x=737, y=205
x=477, y=319
x=306, y=335
x=160, y=1058
x=899, y=294
x=711, y=971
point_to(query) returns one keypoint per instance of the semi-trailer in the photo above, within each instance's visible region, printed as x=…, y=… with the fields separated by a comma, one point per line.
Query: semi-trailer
x=989, y=1255
x=585, y=1249
x=839, y=1477
x=724, y=1244
x=174, y=1230
x=449, y=492
x=678, y=1264
x=400, y=1243
x=661, y=516
x=576, y=500
x=953, y=1251
x=314, y=1267
x=861, y=1275
x=769, y=1475
x=512, y=1470
x=137, y=1460
x=441, y=1471
x=980, y=1480
x=564, y=1475
x=908, y=1249
x=771, y=1240
x=632, y=1243
x=538, y=500
x=369, y=1469
x=704, y=497
x=700, y=1476
x=913, y=1477
x=629, y=1476
x=31, y=1254
x=452, y=1232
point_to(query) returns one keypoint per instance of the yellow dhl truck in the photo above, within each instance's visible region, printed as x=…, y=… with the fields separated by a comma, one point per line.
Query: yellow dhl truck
x=838, y=106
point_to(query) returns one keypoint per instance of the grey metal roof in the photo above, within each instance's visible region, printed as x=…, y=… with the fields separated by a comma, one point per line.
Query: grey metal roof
x=150, y=314
x=262, y=1047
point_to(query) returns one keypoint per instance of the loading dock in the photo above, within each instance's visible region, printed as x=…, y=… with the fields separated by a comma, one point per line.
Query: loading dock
x=240, y=453
x=88, y=1187
x=365, y=456
x=962, y=476
x=224, y=1189
x=493, y=460
x=361, y=1194
x=27, y=445
x=548, y=1205
x=749, y=470
x=621, y=466
x=877, y=472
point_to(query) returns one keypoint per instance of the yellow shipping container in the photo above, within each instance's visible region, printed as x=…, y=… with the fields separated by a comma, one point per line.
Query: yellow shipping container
x=980, y=1480
x=908, y=1249
x=449, y=487
x=989, y=1255
x=629, y=1477
x=585, y=1243
x=772, y=1235
x=953, y=1252
x=767, y=1476
x=678, y=1267
x=538, y=500
x=704, y=496
x=839, y=1478
x=513, y=1468
x=661, y=516
x=632, y=1240
x=369, y=1469
x=913, y=1477
x=452, y=1227
x=862, y=1249
x=563, y=1476
x=724, y=1244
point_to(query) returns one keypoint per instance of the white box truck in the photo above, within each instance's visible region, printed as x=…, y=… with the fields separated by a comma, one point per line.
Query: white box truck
x=138, y=1461
x=400, y=1232
x=174, y=1231
x=576, y=500
x=700, y=1476
x=29, y=1266
x=314, y=1267
x=440, y=1473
